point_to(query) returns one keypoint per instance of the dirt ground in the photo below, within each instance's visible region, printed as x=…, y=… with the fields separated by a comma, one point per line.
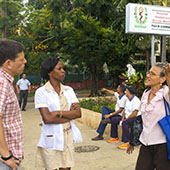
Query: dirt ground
x=108, y=157
x=31, y=129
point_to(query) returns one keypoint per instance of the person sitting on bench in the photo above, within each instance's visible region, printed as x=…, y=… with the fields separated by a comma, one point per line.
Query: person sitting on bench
x=130, y=111
x=108, y=114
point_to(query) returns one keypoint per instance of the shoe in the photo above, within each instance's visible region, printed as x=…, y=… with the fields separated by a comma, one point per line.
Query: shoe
x=105, y=121
x=113, y=140
x=23, y=110
x=98, y=138
x=123, y=146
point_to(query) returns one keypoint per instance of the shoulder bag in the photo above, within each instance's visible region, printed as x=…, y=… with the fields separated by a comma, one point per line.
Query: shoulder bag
x=165, y=125
x=135, y=130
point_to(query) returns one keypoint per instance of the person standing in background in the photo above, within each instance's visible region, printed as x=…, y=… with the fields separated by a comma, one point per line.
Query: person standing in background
x=12, y=62
x=23, y=87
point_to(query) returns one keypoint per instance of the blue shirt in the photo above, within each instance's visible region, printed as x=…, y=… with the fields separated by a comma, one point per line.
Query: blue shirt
x=23, y=84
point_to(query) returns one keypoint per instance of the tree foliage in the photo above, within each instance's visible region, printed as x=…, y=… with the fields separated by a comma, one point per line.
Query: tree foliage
x=85, y=34
x=11, y=15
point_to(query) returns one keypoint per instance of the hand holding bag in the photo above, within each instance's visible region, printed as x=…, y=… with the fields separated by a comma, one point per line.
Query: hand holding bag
x=135, y=130
x=165, y=125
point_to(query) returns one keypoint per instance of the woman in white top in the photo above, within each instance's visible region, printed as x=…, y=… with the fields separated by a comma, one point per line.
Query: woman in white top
x=58, y=105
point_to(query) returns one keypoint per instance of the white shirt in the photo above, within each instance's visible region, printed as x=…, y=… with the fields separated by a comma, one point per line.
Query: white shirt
x=132, y=105
x=120, y=103
x=46, y=97
x=23, y=84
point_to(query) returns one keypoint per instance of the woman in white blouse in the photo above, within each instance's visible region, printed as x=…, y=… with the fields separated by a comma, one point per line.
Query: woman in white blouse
x=58, y=106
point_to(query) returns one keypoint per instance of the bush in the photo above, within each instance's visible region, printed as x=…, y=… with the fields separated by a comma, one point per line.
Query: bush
x=97, y=104
x=137, y=80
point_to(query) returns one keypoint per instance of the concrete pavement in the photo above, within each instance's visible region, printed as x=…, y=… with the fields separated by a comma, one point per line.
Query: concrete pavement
x=108, y=157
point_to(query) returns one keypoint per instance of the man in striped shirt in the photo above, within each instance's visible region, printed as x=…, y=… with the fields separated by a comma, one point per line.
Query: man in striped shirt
x=12, y=62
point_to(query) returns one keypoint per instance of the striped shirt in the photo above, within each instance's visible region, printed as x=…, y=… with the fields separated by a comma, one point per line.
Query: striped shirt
x=11, y=115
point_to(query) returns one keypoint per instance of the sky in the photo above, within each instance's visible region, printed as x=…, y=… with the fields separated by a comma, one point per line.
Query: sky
x=25, y=1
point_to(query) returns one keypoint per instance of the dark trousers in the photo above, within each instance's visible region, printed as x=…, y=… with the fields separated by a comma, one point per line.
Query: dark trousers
x=23, y=97
x=102, y=126
x=153, y=157
x=115, y=120
x=126, y=130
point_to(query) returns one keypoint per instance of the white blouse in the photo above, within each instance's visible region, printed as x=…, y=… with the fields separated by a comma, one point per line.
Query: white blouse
x=52, y=136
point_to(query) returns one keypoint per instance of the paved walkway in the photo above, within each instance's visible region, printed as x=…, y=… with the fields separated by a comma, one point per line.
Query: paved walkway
x=108, y=157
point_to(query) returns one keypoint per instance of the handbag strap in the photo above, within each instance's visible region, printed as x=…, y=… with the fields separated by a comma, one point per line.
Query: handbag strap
x=167, y=108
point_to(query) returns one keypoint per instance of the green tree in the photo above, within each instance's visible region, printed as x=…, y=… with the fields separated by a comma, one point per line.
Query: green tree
x=88, y=42
x=125, y=47
x=83, y=33
x=34, y=37
x=71, y=28
x=11, y=16
x=90, y=37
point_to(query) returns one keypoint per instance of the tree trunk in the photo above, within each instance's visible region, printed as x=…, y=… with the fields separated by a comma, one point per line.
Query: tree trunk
x=148, y=60
x=115, y=80
x=3, y=12
x=163, y=49
x=94, y=81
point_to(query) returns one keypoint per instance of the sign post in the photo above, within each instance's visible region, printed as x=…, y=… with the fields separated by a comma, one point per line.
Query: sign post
x=152, y=50
x=148, y=19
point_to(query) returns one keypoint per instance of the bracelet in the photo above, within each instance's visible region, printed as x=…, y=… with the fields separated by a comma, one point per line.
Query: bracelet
x=110, y=114
x=7, y=158
x=61, y=114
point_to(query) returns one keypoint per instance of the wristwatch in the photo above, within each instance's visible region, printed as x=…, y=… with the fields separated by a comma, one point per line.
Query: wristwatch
x=7, y=158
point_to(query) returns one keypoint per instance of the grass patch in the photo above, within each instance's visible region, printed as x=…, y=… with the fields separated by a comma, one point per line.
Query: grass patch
x=31, y=94
x=82, y=92
x=96, y=104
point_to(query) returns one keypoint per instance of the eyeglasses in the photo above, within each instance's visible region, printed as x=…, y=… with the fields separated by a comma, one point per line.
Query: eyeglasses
x=152, y=73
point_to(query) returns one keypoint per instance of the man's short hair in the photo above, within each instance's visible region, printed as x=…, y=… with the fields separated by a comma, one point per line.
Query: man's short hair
x=9, y=49
x=131, y=89
x=122, y=88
